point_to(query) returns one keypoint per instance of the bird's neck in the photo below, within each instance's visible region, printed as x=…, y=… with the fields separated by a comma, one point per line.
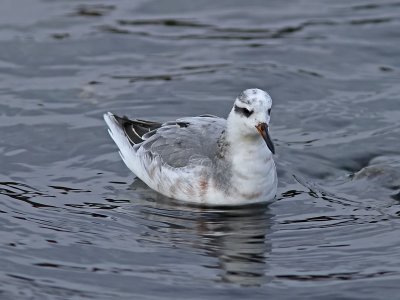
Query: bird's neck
x=246, y=169
x=244, y=142
x=253, y=174
x=246, y=149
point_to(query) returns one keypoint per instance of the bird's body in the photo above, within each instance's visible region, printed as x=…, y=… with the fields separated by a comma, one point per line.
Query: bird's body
x=206, y=159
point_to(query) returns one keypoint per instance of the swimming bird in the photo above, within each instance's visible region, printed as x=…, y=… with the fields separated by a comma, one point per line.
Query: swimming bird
x=205, y=159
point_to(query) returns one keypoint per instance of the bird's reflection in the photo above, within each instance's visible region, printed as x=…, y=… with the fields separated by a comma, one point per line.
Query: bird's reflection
x=237, y=237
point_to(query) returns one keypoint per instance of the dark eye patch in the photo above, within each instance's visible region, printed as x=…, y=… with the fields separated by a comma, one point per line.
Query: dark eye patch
x=243, y=111
x=269, y=111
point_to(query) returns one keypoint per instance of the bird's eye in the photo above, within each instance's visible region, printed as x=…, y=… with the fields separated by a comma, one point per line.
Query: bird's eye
x=269, y=112
x=243, y=111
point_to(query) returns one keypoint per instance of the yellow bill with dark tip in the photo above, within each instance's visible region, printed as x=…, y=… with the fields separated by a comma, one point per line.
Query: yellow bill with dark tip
x=263, y=130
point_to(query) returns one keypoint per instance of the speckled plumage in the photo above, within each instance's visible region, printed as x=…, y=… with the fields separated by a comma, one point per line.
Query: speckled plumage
x=204, y=159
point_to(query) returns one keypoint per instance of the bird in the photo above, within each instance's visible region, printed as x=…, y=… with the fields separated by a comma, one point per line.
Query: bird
x=205, y=160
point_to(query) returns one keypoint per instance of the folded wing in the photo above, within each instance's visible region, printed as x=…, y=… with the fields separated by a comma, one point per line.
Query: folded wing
x=181, y=143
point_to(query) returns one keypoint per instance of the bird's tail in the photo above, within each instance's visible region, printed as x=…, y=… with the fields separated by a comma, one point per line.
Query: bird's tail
x=126, y=150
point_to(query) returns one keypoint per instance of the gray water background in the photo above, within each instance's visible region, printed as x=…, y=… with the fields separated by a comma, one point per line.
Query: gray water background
x=75, y=224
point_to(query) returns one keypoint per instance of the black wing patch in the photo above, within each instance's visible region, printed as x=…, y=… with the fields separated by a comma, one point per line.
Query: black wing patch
x=136, y=129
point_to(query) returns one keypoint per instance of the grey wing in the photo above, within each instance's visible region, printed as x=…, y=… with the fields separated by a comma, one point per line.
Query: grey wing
x=186, y=141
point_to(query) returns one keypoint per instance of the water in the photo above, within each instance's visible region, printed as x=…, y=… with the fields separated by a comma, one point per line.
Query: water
x=74, y=222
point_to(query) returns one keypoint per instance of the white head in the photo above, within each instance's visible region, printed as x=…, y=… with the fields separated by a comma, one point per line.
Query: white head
x=251, y=114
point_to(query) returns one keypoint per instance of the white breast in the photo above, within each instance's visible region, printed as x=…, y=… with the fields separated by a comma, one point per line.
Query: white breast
x=254, y=177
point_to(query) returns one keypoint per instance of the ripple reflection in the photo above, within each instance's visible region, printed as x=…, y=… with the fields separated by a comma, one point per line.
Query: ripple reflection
x=236, y=237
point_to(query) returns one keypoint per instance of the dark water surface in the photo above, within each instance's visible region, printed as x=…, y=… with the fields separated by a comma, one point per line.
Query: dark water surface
x=74, y=223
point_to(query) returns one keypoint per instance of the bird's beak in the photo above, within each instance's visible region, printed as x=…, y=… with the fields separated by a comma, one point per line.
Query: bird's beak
x=263, y=130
